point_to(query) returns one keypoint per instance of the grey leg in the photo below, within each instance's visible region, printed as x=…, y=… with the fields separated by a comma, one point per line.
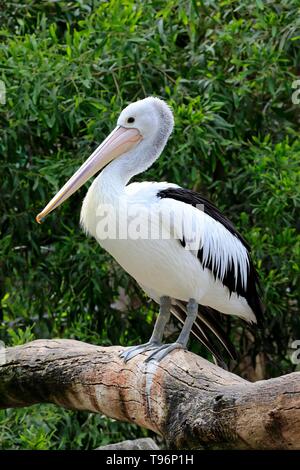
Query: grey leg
x=157, y=334
x=181, y=343
x=192, y=312
x=161, y=321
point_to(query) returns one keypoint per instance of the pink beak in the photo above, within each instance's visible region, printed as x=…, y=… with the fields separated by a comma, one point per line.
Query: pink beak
x=119, y=141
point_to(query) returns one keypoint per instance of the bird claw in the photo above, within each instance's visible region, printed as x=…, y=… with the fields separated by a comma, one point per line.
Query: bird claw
x=130, y=353
x=162, y=351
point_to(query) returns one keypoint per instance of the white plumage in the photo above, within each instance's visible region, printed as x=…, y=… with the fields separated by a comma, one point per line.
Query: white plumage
x=164, y=267
x=198, y=257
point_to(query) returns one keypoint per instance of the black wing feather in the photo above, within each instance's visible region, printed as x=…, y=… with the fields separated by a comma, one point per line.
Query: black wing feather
x=202, y=329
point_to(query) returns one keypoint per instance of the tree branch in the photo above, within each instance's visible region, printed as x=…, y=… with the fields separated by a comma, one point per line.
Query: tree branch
x=191, y=402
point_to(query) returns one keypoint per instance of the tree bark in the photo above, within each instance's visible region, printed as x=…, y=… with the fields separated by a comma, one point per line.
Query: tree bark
x=191, y=402
x=144, y=443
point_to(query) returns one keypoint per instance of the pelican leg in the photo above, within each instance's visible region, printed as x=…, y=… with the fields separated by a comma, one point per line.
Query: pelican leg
x=181, y=343
x=158, y=331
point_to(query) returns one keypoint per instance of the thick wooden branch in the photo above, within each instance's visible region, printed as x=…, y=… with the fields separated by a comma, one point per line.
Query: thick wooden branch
x=191, y=402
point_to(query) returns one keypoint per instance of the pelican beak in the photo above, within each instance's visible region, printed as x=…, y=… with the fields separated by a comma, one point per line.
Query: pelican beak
x=119, y=141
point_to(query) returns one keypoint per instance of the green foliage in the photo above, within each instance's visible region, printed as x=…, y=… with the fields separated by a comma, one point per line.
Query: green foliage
x=50, y=428
x=227, y=70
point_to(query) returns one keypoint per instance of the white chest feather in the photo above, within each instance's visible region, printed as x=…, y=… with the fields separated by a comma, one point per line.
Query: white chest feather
x=163, y=266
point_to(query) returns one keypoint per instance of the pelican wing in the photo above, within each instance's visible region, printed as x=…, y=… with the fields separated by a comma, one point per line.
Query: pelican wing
x=201, y=228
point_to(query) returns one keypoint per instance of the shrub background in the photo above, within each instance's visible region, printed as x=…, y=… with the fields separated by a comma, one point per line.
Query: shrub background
x=227, y=69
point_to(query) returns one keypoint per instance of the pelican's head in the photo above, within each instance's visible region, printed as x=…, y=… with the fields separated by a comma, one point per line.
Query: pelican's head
x=147, y=122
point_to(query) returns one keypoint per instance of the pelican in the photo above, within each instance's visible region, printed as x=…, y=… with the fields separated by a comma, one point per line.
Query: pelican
x=198, y=266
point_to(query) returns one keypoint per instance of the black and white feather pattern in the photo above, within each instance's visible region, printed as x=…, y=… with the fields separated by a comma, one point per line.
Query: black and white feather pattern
x=221, y=248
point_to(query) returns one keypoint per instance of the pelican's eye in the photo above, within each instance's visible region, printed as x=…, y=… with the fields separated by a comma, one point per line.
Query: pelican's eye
x=130, y=120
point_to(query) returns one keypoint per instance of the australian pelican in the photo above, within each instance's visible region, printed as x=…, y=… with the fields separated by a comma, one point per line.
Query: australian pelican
x=201, y=268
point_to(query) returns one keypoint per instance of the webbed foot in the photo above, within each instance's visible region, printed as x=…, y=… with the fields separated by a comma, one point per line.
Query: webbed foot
x=130, y=353
x=162, y=351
